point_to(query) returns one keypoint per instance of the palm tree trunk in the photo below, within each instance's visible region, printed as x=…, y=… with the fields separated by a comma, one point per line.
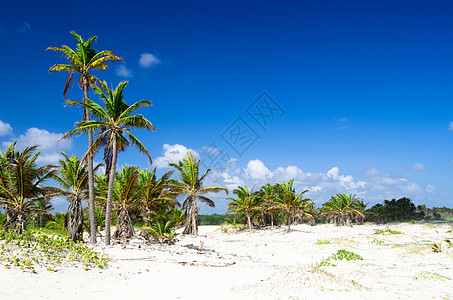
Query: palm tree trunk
x=108, y=210
x=249, y=221
x=91, y=213
x=192, y=219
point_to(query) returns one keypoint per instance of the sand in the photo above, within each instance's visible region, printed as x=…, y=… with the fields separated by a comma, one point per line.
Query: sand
x=258, y=264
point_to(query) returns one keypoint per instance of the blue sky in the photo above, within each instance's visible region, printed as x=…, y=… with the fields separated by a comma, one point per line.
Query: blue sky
x=364, y=89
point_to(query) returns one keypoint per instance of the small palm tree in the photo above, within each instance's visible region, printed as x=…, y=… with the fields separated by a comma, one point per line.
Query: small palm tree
x=190, y=185
x=126, y=196
x=81, y=61
x=73, y=177
x=246, y=203
x=156, y=198
x=268, y=208
x=22, y=185
x=42, y=208
x=340, y=209
x=290, y=203
x=114, y=124
x=359, y=215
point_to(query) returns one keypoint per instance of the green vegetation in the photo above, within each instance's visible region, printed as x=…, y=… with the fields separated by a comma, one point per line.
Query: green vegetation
x=340, y=255
x=272, y=205
x=31, y=251
x=431, y=276
x=323, y=242
x=214, y=219
x=387, y=231
x=376, y=241
x=342, y=209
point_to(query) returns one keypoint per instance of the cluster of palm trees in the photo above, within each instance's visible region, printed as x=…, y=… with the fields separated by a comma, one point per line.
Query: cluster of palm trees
x=108, y=127
x=279, y=203
x=271, y=203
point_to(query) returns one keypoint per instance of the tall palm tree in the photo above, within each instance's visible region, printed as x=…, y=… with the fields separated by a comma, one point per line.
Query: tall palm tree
x=246, y=203
x=73, y=177
x=22, y=185
x=191, y=185
x=114, y=124
x=81, y=61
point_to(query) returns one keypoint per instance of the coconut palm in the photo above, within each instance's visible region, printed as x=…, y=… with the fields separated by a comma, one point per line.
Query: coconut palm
x=190, y=185
x=73, y=177
x=268, y=208
x=126, y=196
x=246, y=203
x=359, y=215
x=290, y=203
x=156, y=198
x=22, y=185
x=113, y=123
x=82, y=61
x=42, y=208
x=340, y=209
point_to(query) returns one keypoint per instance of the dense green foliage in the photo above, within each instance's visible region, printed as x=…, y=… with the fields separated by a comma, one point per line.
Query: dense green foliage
x=214, y=219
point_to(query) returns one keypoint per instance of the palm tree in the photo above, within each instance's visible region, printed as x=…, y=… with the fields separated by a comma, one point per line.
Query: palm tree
x=268, y=208
x=22, y=185
x=191, y=186
x=73, y=177
x=113, y=124
x=290, y=203
x=156, y=198
x=42, y=208
x=359, y=216
x=246, y=203
x=82, y=61
x=126, y=195
x=340, y=209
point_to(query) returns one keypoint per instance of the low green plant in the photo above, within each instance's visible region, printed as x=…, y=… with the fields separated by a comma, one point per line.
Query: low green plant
x=431, y=276
x=387, y=231
x=162, y=230
x=29, y=250
x=376, y=241
x=437, y=247
x=340, y=255
x=323, y=242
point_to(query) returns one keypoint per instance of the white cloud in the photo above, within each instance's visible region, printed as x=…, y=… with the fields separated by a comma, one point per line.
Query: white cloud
x=256, y=170
x=24, y=28
x=450, y=126
x=48, y=142
x=122, y=71
x=344, y=119
x=429, y=188
x=172, y=154
x=5, y=128
x=418, y=167
x=148, y=60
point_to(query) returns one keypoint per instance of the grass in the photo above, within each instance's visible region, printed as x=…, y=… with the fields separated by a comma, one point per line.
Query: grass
x=376, y=241
x=431, y=276
x=387, y=231
x=323, y=242
x=340, y=255
x=31, y=251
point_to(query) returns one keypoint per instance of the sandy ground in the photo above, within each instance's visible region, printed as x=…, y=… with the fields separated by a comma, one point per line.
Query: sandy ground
x=261, y=264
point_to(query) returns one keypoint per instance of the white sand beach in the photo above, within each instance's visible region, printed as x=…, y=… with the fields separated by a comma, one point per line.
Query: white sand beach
x=261, y=264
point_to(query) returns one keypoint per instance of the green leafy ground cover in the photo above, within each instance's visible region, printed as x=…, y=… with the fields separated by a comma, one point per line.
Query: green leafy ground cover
x=33, y=251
